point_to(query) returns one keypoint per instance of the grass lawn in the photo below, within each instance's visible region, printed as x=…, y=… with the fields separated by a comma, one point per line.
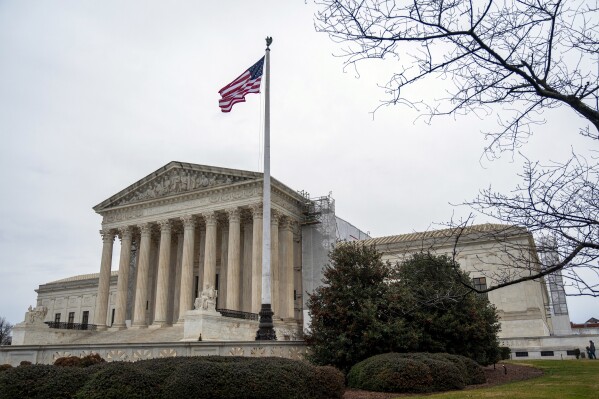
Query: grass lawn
x=562, y=379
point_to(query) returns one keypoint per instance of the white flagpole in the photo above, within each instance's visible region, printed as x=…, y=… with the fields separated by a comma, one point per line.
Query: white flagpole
x=266, y=331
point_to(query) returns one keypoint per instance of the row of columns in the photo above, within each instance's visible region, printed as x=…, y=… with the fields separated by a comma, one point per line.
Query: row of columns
x=282, y=271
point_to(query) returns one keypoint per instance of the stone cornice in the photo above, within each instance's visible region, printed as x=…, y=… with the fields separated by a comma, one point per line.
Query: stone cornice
x=220, y=178
x=283, y=200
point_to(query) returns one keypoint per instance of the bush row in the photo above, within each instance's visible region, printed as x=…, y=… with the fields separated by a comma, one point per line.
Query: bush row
x=415, y=372
x=196, y=377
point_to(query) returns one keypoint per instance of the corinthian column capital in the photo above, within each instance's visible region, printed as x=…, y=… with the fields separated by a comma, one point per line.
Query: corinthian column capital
x=210, y=218
x=107, y=235
x=256, y=210
x=145, y=229
x=125, y=233
x=234, y=215
x=286, y=223
x=275, y=217
x=165, y=225
x=189, y=221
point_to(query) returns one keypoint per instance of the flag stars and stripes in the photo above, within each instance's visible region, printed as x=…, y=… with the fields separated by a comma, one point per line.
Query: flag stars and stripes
x=246, y=83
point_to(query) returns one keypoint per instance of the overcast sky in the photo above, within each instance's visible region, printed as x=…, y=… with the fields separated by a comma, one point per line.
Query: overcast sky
x=95, y=95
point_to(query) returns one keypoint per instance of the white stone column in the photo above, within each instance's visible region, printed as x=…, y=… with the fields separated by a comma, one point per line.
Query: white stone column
x=274, y=264
x=233, y=257
x=287, y=273
x=164, y=258
x=256, y=210
x=104, y=280
x=186, y=297
x=223, y=245
x=177, y=278
x=123, y=280
x=246, y=284
x=210, y=251
x=143, y=268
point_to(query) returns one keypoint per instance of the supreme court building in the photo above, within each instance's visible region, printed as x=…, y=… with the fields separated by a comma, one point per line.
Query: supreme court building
x=190, y=269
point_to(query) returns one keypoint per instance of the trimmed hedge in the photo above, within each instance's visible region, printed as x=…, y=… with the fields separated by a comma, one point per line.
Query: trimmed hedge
x=5, y=367
x=41, y=381
x=193, y=377
x=415, y=372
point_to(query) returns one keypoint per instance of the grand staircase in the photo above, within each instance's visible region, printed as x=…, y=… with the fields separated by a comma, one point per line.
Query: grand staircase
x=144, y=335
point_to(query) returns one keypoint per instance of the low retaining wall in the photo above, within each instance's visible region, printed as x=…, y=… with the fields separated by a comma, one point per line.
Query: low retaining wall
x=47, y=354
x=551, y=347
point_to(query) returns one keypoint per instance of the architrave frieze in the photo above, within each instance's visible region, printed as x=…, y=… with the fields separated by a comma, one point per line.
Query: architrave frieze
x=176, y=178
x=240, y=195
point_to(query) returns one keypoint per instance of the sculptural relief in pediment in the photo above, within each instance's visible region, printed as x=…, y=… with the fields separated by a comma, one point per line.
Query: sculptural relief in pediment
x=177, y=181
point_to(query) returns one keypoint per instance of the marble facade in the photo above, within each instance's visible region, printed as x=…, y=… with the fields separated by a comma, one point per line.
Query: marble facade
x=187, y=229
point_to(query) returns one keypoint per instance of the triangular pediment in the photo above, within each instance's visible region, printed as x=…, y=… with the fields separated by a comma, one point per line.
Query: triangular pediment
x=177, y=178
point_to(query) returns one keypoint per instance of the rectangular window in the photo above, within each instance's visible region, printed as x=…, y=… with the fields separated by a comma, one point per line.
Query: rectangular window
x=480, y=283
x=546, y=353
x=112, y=318
x=85, y=317
x=71, y=317
x=572, y=352
x=57, y=318
x=521, y=354
x=295, y=295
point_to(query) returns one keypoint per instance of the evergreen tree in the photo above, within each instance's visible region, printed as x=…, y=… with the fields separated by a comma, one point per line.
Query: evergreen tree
x=368, y=307
x=351, y=316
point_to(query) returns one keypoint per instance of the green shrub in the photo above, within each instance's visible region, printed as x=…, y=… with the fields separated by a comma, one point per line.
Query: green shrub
x=471, y=371
x=391, y=373
x=327, y=382
x=234, y=377
x=415, y=372
x=41, y=381
x=446, y=376
x=68, y=361
x=192, y=377
x=5, y=367
x=504, y=353
x=118, y=380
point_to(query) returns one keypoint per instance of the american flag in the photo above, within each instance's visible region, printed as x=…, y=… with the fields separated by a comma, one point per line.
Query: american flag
x=247, y=82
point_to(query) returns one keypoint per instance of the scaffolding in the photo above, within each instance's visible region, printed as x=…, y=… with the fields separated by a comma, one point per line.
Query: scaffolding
x=557, y=295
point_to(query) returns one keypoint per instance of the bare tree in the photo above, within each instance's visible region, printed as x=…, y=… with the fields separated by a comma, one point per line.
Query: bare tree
x=5, y=330
x=520, y=57
x=514, y=58
x=559, y=204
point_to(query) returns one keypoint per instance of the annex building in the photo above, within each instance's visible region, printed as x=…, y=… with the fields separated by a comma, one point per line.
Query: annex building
x=189, y=273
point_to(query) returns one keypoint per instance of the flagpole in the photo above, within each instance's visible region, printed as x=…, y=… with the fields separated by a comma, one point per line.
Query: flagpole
x=266, y=331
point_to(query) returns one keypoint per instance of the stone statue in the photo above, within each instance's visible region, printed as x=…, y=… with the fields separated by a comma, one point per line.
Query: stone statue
x=36, y=315
x=207, y=300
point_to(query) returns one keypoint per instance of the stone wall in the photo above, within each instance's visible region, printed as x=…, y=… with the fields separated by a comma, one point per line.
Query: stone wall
x=133, y=352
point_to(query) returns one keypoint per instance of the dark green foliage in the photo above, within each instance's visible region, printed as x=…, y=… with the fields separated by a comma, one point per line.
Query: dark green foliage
x=351, y=313
x=412, y=372
x=367, y=307
x=504, y=353
x=444, y=314
x=253, y=378
x=327, y=382
x=118, y=380
x=389, y=373
x=190, y=377
x=41, y=381
x=473, y=374
x=68, y=361
x=5, y=367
